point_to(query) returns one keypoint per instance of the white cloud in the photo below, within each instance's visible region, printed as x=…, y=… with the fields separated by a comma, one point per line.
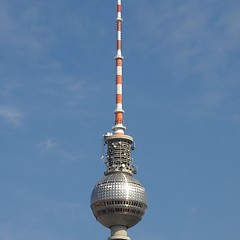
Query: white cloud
x=22, y=32
x=31, y=29
x=196, y=44
x=8, y=86
x=192, y=210
x=190, y=37
x=212, y=99
x=11, y=115
x=47, y=145
x=34, y=211
x=52, y=146
x=12, y=232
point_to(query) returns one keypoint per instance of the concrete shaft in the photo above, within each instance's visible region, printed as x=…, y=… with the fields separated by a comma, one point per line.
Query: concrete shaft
x=119, y=233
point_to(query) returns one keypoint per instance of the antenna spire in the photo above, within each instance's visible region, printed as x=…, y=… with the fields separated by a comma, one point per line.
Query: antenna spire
x=119, y=127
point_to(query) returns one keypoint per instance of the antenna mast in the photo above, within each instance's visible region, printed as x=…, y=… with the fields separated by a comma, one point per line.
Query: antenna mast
x=119, y=127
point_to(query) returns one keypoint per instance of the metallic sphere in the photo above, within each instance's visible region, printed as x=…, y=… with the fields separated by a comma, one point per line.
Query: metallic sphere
x=118, y=200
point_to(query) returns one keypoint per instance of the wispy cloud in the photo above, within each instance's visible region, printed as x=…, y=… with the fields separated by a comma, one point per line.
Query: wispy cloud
x=31, y=28
x=12, y=232
x=192, y=210
x=22, y=31
x=72, y=90
x=34, y=213
x=187, y=30
x=52, y=146
x=195, y=43
x=212, y=100
x=48, y=145
x=11, y=115
x=43, y=56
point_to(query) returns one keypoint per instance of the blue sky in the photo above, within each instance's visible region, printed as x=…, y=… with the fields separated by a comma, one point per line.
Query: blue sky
x=181, y=99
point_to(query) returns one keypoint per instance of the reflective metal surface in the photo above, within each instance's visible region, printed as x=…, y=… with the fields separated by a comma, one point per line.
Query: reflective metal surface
x=118, y=199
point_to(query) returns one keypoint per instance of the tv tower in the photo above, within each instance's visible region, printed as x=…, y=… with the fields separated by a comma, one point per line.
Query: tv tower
x=118, y=200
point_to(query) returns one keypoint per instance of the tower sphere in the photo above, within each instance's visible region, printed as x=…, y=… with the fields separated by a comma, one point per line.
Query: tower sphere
x=118, y=200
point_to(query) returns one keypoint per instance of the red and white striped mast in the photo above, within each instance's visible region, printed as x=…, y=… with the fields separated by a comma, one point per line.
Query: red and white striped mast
x=119, y=127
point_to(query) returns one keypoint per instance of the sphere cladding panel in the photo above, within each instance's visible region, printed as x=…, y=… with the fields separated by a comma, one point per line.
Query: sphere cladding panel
x=118, y=199
x=118, y=186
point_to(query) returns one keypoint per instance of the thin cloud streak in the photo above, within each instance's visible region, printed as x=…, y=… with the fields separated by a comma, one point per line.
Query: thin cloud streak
x=193, y=42
x=31, y=211
x=11, y=232
x=23, y=34
x=47, y=145
x=11, y=115
x=52, y=146
x=28, y=31
x=189, y=27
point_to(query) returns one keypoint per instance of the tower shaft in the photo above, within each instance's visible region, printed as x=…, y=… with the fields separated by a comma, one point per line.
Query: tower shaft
x=119, y=233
